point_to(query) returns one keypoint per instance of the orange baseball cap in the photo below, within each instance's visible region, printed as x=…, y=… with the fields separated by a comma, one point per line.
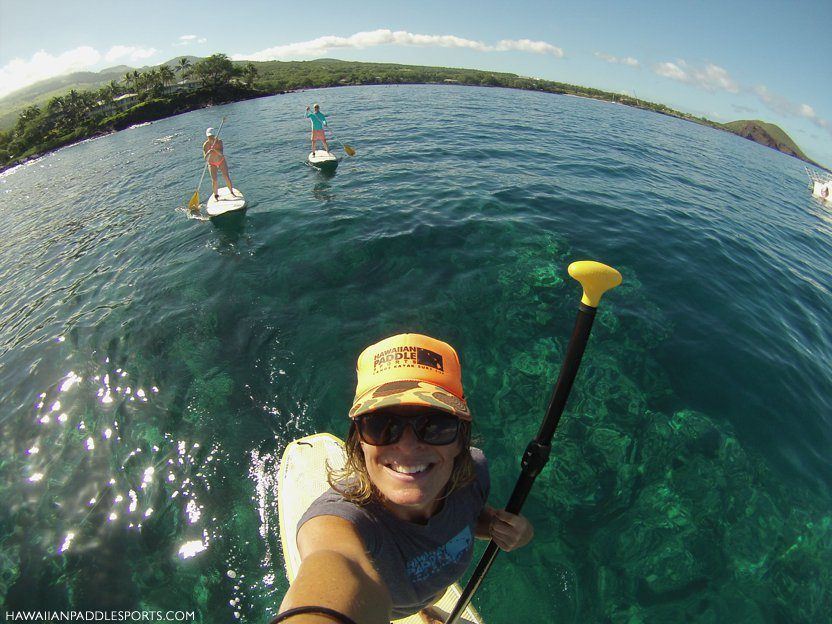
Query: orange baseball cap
x=409, y=369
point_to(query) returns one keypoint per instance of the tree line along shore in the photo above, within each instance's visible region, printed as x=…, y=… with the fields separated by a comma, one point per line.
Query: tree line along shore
x=186, y=83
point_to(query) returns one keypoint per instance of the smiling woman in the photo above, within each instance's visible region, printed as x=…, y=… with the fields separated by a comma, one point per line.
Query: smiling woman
x=382, y=429
x=397, y=526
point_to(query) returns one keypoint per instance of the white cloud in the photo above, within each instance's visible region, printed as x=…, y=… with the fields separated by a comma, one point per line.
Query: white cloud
x=189, y=39
x=361, y=40
x=784, y=106
x=711, y=78
x=527, y=45
x=128, y=53
x=773, y=101
x=627, y=60
x=715, y=78
x=19, y=73
x=671, y=70
x=807, y=111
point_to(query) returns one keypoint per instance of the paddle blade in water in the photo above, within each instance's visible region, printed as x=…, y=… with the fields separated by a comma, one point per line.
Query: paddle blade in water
x=194, y=203
x=350, y=151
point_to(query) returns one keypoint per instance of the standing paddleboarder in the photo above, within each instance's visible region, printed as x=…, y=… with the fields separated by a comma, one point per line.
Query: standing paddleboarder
x=212, y=152
x=397, y=526
x=318, y=120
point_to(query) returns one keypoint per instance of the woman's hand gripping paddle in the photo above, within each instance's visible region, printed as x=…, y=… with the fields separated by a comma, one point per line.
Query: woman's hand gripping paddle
x=194, y=203
x=596, y=279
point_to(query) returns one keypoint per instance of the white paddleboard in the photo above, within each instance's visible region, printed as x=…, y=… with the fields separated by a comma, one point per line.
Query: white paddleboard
x=822, y=190
x=301, y=479
x=322, y=159
x=226, y=202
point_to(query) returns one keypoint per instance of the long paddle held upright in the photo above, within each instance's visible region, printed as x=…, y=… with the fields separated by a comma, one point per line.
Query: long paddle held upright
x=596, y=279
x=194, y=203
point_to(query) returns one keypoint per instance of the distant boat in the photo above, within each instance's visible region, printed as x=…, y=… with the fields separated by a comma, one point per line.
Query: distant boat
x=821, y=184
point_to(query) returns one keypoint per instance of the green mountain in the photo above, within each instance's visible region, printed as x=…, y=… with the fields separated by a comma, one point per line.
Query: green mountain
x=767, y=134
x=41, y=92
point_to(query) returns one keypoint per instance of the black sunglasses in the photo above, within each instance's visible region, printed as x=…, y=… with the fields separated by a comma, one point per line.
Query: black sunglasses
x=386, y=426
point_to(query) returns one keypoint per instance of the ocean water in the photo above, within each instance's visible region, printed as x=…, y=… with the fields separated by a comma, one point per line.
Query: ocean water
x=154, y=366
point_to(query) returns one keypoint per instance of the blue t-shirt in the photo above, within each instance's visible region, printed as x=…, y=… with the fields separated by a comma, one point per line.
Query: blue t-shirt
x=417, y=562
x=318, y=120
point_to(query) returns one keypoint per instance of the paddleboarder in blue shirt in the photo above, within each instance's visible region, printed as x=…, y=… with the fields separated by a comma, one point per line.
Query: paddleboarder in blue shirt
x=318, y=120
x=397, y=526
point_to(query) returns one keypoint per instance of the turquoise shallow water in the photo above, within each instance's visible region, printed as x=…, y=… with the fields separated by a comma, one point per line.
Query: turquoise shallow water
x=153, y=367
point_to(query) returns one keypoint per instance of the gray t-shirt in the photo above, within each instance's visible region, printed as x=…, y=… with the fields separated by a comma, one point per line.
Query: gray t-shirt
x=416, y=561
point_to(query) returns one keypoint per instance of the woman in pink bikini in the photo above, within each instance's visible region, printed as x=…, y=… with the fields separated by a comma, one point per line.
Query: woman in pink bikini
x=212, y=151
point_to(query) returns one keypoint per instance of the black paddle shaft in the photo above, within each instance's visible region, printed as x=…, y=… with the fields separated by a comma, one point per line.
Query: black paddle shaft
x=537, y=452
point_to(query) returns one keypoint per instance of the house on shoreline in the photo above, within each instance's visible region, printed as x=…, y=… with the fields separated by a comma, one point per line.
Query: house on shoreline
x=120, y=103
x=128, y=100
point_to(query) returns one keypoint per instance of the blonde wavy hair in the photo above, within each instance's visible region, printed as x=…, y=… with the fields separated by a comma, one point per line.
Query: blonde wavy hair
x=353, y=481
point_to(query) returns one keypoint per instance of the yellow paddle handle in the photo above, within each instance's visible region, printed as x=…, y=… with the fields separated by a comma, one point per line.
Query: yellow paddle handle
x=596, y=279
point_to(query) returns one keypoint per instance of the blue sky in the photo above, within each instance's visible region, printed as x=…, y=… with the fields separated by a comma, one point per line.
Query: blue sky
x=730, y=60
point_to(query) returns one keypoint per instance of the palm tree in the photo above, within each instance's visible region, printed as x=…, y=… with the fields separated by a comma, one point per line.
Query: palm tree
x=149, y=81
x=249, y=74
x=87, y=102
x=55, y=105
x=106, y=93
x=58, y=112
x=133, y=80
x=183, y=67
x=166, y=75
x=74, y=105
x=28, y=114
x=157, y=80
x=30, y=126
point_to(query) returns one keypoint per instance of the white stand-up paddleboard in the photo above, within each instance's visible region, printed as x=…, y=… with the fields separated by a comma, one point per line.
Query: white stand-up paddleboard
x=322, y=160
x=226, y=202
x=822, y=190
x=821, y=184
x=301, y=479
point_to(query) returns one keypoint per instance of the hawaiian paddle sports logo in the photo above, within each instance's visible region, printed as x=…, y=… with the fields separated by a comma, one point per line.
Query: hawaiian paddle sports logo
x=399, y=357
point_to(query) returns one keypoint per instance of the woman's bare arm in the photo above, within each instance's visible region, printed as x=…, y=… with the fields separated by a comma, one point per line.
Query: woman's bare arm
x=336, y=572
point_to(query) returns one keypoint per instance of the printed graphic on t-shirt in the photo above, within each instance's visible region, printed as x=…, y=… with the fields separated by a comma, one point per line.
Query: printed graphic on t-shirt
x=429, y=563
